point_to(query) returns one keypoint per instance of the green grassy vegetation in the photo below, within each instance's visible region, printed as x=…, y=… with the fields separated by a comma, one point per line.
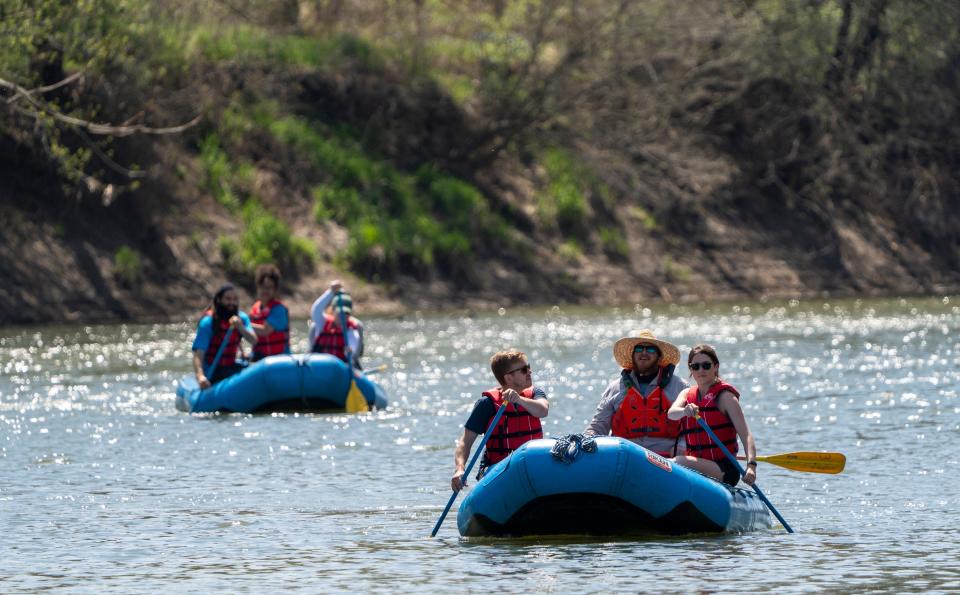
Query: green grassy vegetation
x=570, y=251
x=642, y=215
x=128, y=267
x=564, y=203
x=613, y=243
x=265, y=239
x=397, y=220
x=674, y=271
x=250, y=44
x=222, y=176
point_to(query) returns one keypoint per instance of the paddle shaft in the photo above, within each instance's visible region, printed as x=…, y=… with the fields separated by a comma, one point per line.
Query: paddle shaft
x=344, y=328
x=346, y=346
x=466, y=472
x=216, y=360
x=733, y=460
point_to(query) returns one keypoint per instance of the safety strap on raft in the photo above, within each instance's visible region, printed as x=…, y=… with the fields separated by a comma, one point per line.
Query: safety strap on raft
x=568, y=447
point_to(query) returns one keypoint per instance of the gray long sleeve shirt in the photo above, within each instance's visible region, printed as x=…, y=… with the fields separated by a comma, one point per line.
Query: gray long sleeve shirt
x=613, y=397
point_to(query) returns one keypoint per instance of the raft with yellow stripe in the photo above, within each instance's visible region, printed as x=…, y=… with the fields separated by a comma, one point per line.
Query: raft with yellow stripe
x=311, y=382
x=619, y=489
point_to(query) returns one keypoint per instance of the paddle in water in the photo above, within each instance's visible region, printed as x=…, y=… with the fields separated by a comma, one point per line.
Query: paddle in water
x=355, y=401
x=375, y=369
x=807, y=461
x=466, y=472
x=733, y=460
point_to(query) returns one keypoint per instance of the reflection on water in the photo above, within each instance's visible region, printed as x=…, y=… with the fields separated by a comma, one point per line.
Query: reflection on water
x=103, y=484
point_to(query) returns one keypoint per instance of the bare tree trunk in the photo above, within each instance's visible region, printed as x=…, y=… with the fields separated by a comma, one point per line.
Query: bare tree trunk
x=851, y=56
x=618, y=45
x=867, y=35
x=836, y=73
x=307, y=15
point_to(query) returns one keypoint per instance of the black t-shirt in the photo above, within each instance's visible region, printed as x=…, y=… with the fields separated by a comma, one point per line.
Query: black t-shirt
x=484, y=410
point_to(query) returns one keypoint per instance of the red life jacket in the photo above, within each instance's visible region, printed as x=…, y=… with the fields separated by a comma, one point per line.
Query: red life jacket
x=330, y=340
x=640, y=416
x=699, y=443
x=276, y=342
x=516, y=427
x=229, y=356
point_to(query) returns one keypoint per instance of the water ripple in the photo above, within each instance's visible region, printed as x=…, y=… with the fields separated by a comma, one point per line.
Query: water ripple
x=104, y=485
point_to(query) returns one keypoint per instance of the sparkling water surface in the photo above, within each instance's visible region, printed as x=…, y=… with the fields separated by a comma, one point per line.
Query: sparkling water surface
x=105, y=486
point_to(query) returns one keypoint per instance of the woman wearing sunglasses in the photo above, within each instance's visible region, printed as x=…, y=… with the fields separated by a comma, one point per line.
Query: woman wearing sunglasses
x=718, y=404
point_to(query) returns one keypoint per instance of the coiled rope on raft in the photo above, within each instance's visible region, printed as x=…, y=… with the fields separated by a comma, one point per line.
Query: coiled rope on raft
x=568, y=447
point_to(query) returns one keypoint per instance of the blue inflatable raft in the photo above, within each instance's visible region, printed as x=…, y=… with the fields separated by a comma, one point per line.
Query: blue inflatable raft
x=620, y=489
x=311, y=382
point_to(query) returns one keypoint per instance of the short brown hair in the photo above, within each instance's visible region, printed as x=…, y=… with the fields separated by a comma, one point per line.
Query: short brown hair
x=502, y=361
x=267, y=271
x=705, y=349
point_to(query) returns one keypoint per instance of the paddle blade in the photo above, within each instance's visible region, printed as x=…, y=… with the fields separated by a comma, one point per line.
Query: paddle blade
x=376, y=370
x=808, y=461
x=356, y=402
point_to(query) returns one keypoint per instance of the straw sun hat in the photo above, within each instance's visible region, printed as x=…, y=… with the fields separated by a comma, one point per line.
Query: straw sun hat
x=623, y=349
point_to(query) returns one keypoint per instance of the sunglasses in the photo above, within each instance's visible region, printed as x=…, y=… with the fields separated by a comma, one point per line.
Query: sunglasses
x=704, y=365
x=525, y=369
x=647, y=348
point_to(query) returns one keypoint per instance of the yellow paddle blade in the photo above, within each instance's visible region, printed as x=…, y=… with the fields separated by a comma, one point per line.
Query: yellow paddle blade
x=356, y=402
x=809, y=461
x=379, y=368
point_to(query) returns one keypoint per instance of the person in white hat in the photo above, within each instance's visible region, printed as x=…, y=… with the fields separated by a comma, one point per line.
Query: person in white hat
x=326, y=334
x=635, y=404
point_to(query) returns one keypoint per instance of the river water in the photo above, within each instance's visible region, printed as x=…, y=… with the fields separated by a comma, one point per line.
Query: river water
x=105, y=486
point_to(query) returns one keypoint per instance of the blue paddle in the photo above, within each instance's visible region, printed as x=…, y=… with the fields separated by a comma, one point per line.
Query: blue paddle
x=733, y=460
x=466, y=472
x=216, y=360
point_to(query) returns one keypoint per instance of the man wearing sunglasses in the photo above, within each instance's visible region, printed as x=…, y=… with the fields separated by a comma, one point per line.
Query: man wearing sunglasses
x=520, y=423
x=635, y=404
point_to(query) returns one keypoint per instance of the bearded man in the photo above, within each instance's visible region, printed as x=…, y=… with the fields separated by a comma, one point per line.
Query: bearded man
x=635, y=404
x=213, y=329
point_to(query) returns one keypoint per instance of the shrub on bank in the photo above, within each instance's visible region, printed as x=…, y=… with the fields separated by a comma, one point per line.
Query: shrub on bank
x=265, y=239
x=397, y=221
x=128, y=267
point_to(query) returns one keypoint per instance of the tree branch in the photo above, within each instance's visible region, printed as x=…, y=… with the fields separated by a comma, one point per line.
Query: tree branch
x=92, y=127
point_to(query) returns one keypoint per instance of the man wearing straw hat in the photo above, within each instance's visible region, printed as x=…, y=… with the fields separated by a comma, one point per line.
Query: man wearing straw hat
x=634, y=406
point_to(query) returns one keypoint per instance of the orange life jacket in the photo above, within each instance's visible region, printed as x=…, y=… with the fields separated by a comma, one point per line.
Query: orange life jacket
x=229, y=356
x=276, y=342
x=515, y=427
x=330, y=339
x=699, y=443
x=640, y=416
